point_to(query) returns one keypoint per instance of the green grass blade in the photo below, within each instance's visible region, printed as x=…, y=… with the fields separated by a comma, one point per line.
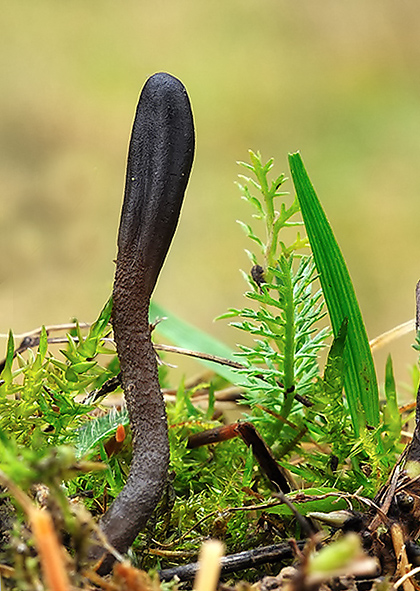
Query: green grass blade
x=183, y=334
x=360, y=381
x=391, y=413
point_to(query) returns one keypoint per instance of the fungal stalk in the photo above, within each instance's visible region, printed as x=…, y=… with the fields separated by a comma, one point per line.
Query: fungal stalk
x=159, y=163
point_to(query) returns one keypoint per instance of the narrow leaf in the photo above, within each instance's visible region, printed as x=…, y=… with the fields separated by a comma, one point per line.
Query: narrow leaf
x=392, y=416
x=361, y=385
x=183, y=334
x=312, y=499
x=6, y=372
x=43, y=343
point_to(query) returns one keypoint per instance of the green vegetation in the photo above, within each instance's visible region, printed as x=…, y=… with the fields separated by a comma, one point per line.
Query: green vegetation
x=55, y=430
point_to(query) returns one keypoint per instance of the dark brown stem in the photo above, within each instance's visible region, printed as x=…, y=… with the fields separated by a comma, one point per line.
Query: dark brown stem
x=235, y=562
x=159, y=163
x=253, y=439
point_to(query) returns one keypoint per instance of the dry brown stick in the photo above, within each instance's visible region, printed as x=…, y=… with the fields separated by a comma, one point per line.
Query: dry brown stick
x=375, y=343
x=403, y=563
x=199, y=355
x=236, y=562
x=249, y=434
x=391, y=335
x=49, y=328
x=32, y=340
x=408, y=575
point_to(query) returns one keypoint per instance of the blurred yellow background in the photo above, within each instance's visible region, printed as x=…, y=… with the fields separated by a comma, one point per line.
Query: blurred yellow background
x=337, y=80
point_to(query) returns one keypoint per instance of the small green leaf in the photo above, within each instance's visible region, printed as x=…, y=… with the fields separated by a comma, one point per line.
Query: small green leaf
x=82, y=366
x=248, y=469
x=89, y=346
x=211, y=402
x=6, y=374
x=43, y=343
x=71, y=375
x=249, y=232
x=102, y=322
x=192, y=411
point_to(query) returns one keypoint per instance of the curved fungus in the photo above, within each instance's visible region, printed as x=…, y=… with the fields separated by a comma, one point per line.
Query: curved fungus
x=159, y=163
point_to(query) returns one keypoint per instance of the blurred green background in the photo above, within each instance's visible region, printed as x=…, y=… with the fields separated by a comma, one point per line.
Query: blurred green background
x=337, y=80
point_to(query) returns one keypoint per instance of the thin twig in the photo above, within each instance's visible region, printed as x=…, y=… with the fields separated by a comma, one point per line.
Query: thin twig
x=391, y=335
x=382, y=339
x=411, y=573
x=400, y=549
x=305, y=524
x=276, y=553
x=49, y=328
x=199, y=355
x=30, y=340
